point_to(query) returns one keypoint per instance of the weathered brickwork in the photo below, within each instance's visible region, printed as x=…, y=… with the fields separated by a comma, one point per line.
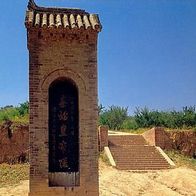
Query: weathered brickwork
x=103, y=137
x=71, y=54
x=158, y=137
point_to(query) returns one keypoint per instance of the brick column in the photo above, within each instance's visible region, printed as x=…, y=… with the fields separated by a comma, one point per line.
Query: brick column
x=103, y=137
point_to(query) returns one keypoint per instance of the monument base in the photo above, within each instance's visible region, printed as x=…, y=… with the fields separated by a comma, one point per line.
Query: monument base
x=65, y=191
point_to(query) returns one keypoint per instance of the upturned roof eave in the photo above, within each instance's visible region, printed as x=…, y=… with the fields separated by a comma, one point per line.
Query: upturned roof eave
x=66, y=18
x=32, y=6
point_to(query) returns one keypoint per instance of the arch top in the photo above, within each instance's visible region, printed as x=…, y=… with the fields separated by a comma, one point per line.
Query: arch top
x=63, y=74
x=63, y=80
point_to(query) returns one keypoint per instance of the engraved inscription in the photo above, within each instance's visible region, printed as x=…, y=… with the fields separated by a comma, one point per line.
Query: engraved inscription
x=63, y=127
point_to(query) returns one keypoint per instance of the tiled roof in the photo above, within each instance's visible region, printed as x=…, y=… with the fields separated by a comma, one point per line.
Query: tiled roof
x=41, y=17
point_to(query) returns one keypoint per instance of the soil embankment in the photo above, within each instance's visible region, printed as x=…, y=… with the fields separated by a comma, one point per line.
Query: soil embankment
x=14, y=142
x=184, y=141
x=179, y=140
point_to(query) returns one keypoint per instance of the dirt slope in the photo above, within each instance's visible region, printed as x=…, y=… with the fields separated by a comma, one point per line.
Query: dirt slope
x=179, y=181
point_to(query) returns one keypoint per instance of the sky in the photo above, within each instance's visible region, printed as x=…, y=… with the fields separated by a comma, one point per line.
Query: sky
x=146, y=52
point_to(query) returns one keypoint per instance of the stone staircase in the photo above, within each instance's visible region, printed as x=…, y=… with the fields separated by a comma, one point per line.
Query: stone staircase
x=131, y=152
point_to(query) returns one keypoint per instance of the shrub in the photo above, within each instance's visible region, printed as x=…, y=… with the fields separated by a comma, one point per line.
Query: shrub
x=186, y=118
x=113, y=117
x=12, y=113
x=130, y=123
x=23, y=108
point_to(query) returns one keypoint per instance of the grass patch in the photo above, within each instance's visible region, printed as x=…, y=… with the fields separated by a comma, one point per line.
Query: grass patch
x=13, y=174
x=182, y=129
x=15, y=113
x=181, y=160
x=21, y=119
x=104, y=158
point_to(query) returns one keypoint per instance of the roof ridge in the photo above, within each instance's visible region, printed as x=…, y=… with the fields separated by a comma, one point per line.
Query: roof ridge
x=33, y=6
x=67, y=18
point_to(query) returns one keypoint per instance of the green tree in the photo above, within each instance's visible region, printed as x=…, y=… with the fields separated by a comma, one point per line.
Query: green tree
x=23, y=109
x=129, y=123
x=100, y=109
x=113, y=117
x=189, y=116
x=142, y=117
x=186, y=118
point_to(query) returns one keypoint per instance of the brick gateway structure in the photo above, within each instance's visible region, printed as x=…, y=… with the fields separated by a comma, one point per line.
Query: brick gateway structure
x=62, y=47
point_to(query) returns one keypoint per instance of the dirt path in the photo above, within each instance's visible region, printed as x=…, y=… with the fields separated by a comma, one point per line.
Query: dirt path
x=120, y=133
x=19, y=190
x=175, y=182
x=179, y=181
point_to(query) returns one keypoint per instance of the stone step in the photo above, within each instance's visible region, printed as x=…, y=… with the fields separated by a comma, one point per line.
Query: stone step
x=119, y=160
x=126, y=140
x=139, y=160
x=141, y=168
x=122, y=156
x=132, y=153
x=142, y=165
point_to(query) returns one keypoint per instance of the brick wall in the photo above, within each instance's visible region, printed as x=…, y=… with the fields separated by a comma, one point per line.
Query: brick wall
x=162, y=138
x=158, y=137
x=149, y=136
x=103, y=137
x=73, y=55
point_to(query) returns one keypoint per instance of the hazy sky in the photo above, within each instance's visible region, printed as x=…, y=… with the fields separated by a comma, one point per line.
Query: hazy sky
x=146, y=51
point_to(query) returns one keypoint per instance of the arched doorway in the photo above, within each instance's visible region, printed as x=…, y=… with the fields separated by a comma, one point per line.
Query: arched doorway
x=63, y=128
